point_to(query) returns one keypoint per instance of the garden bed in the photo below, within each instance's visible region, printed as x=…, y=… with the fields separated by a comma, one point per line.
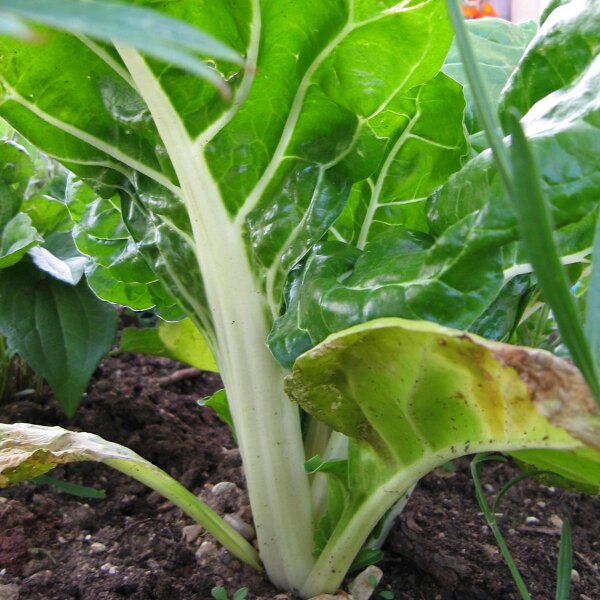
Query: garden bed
x=134, y=544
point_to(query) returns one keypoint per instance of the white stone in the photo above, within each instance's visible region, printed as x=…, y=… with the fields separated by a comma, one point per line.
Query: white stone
x=364, y=584
x=190, y=533
x=108, y=568
x=245, y=530
x=97, y=548
x=223, y=487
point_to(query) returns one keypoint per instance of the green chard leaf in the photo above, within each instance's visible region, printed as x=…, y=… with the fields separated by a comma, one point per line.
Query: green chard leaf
x=62, y=331
x=157, y=35
x=17, y=232
x=295, y=130
x=457, y=269
x=565, y=47
x=499, y=45
x=413, y=395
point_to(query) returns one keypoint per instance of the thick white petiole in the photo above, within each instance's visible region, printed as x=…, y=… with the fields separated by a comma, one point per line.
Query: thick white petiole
x=267, y=423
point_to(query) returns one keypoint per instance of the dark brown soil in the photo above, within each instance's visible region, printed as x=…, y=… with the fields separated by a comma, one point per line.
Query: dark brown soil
x=54, y=546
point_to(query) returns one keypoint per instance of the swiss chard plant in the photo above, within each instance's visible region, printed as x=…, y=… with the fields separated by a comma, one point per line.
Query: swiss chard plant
x=48, y=315
x=337, y=217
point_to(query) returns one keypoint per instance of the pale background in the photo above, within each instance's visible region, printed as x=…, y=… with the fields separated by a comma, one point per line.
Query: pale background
x=523, y=9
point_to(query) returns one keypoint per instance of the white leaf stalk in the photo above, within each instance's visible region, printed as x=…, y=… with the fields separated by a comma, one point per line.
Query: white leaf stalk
x=266, y=422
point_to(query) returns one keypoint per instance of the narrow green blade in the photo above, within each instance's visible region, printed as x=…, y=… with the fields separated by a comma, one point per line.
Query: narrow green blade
x=592, y=321
x=156, y=35
x=536, y=227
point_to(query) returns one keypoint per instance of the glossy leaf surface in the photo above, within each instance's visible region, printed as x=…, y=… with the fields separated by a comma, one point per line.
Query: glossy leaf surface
x=62, y=331
x=160, y=36
x=499, y=45
x=456, y=270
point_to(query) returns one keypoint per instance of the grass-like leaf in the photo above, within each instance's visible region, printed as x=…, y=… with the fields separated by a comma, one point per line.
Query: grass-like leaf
x=592, y=321
x=156, y=35
x=490, y=518
x=488, y=119
x=565, y=563
x=520, y=176
x=81, y=491
x=536, y=227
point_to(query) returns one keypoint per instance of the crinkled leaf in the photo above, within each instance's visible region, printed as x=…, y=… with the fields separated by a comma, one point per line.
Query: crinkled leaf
x=118, y=271
x=61, y=331
x=425, y=145
x=499, y=45
x=299, y=131
x=455, y=275
x=565, y=47
x=413, y=395
x=16, y=238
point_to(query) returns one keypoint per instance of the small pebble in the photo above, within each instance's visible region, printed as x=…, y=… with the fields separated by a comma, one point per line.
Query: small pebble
x=575, y=576
x=556, y=521
x=223, y=487
x=532, y=521
x=541, y=504
x=245, y=530
x=364, y=584
x=87, y=538
x=490, y=551
x=97, y=548
x=108, y=568
x=489, y=488
x=190, y=533
x=205, y=550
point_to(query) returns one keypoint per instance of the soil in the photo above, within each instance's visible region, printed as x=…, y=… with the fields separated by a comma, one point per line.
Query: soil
x=134, y=544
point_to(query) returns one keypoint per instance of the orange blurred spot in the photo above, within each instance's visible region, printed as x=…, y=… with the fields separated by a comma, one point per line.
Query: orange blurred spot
x=470, y=12
x=487, y=10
